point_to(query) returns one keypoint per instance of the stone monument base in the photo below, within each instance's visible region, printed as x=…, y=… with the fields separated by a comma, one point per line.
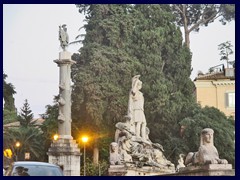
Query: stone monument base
x=132, y=170
x=66, y=154
x=207, y=170
x=117, y=170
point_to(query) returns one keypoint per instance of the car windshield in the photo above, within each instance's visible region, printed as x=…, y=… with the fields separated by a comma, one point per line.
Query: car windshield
x=36, y=170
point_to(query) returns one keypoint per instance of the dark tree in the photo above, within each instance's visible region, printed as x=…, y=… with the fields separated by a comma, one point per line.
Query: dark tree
x=30, y=139
x=50, y=124
x=9, y=111
x=225, y=51
x=101, y=75
x=25, y=116
x=192, y=16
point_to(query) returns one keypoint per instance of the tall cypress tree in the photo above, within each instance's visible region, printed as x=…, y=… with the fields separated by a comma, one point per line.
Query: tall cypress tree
x=103, y=70
x=165, y=69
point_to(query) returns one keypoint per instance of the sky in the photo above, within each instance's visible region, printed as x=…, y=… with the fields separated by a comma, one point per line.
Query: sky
x=30, y=44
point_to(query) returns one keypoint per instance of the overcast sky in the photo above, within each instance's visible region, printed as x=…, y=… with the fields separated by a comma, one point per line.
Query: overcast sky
x=30, y=44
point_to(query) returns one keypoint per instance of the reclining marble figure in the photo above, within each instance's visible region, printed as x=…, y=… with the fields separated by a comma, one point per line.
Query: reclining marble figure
x=207, y=152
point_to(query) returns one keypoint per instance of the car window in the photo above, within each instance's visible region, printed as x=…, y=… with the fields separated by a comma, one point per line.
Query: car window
x=20, y=171
x=36, y=170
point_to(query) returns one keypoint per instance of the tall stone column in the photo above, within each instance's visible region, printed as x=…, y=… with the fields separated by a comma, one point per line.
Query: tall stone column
x=64, y=118
x=64, y=151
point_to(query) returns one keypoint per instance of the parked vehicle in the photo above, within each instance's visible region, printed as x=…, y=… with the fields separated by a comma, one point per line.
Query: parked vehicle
x=33, y=168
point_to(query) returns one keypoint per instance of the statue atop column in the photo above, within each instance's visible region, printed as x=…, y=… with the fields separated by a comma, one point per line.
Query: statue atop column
x=63, y=36
x=65, y=151
x=64, y=63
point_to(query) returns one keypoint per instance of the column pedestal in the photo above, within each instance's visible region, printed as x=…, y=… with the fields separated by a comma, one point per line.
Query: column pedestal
x=66, y=154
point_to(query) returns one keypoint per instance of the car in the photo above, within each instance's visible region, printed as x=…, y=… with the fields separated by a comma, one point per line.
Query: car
x=33, y=168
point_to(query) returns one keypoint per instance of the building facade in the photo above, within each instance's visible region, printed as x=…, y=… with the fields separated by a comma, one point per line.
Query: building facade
x=217, y=89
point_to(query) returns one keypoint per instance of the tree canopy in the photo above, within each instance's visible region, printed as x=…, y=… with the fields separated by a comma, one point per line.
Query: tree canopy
x=192, y=16
x=29, y=136
x=25, y=117
x=122, y=41
x=9, y=110
x=225, y=49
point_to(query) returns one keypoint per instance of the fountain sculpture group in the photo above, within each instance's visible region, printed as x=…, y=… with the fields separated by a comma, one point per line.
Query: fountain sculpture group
x=133, y=154
x=132, y=147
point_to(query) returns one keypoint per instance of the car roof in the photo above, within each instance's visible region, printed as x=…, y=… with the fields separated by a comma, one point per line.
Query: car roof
x=34, y=163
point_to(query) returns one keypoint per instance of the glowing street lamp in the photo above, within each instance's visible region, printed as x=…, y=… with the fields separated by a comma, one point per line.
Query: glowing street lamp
x=55, y=137
x=18, y=144
x=84, y=140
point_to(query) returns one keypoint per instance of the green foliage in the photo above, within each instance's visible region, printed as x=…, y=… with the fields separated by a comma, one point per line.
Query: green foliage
x=192, y=16
x=100, y=169
x=9, y=110
x=225, y=50
x=223, y=127
x=228, y=13
x=203, y=14
x=25, y=117
x=165, y=70
x=30, y=139
x=9, y=116
x=101, y=75
x=50, y=125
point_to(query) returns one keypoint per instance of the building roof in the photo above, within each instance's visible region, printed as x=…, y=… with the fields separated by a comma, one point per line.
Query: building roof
x=214, y=76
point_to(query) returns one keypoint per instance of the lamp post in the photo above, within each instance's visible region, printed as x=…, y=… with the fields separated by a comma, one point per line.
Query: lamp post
x=17, y=146
x=55, y=137
x=85, y=140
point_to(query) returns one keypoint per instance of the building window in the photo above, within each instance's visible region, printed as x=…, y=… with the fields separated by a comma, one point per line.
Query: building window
x=230, y=100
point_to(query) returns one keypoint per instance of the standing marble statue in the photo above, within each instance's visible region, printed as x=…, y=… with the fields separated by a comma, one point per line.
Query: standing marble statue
x=207, y=152
x=136, y=108
x=63, y=36
x=132, y=145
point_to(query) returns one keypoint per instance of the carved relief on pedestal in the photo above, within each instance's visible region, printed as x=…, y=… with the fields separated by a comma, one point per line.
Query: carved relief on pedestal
x=61, y=117
x=62, y=86
x=61, y=101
